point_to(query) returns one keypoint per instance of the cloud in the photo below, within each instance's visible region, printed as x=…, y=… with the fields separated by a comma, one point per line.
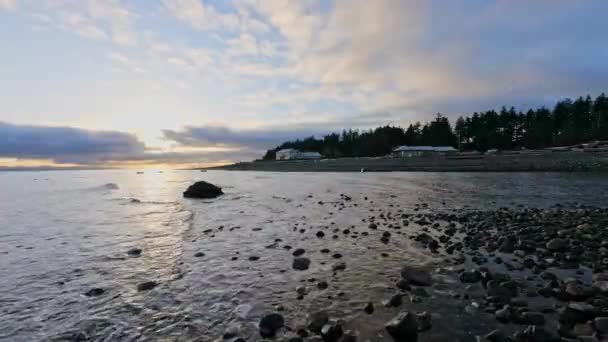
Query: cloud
x=270, y=136
x=80, y=147
x=66, y=144
x=205, y=136
x=199, y=15
x=8, y=4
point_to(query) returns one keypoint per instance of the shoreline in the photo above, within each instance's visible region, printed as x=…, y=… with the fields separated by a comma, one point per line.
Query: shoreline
x=508, y=162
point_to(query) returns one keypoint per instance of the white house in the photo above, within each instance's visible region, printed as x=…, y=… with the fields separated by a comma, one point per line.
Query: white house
x=416, y=151
x=291, y=154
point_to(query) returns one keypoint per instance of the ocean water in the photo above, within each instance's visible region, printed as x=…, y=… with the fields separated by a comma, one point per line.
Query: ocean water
x=63, y=233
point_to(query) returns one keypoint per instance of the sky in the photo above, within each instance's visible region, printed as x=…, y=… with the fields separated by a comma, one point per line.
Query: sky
x=180, y=83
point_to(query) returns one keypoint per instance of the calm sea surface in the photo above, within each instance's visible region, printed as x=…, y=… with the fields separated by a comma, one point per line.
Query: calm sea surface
x=65, y=232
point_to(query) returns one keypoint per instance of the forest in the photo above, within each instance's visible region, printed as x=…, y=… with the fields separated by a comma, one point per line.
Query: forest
x=569, y=122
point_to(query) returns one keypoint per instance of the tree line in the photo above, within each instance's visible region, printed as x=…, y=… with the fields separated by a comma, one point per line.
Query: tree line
x=569, y=122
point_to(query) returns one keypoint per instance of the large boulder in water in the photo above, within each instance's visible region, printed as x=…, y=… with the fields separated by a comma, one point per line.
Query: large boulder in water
x=203, y=190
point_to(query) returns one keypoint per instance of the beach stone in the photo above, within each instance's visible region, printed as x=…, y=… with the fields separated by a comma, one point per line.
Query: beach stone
x=322, y=285
x=134, y=252
x=147, y=285
x=395, y=301
x=317, y=320
x=199, y=254
x=298, y=252
x=203, y=189
x=601, y=325
x=341, y=266
x=270, y=324
x=301, y=263
x=402, y=284
x=96, y=291
x=320, y=234
x=369, y=308
x=496, y=336
x=331, y=332
x=416, y=276
x=555, y=245
x=503, y=315
x=471, y=276
x=424, y=321
x=533, y=318
x=403, y=327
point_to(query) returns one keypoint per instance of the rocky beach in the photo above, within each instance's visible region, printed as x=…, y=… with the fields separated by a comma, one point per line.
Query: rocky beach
x=305, y=257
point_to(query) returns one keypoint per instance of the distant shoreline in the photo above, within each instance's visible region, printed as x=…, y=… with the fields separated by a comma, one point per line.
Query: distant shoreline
x=508, y=162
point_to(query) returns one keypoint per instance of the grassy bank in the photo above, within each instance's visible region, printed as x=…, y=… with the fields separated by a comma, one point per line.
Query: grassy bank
x=511, y=162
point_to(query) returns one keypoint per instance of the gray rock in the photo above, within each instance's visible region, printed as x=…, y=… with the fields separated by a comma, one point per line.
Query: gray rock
x=403, y=327
x=301, y=263
x=298, y=252
x=270, y=324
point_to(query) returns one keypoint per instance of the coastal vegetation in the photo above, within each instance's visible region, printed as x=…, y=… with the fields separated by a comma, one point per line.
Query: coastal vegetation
x=569, y=122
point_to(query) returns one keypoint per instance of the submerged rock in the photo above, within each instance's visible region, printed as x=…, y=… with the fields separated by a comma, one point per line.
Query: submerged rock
x=203, y=189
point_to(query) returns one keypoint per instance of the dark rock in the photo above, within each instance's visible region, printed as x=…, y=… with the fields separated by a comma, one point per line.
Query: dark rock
x=96, y=291
x=395, y=301
x=317, y=320
x=369, y=308
x=339, y=267
x=504, y=315
x=416, y=276
x=337, y=256
x=270, y=323
x=471, y=276
x=402, y=284
x=322, y=285
x=403, y=327
x=199, y=254
x=203, y=189
x=134, y=252
x=424, y=321
x=601, y=325
x=496, y=336
x=320, y=234
x=254, y=258
x=555, y=245
x=145, y=286
x=331, y=332
x=301, y=263
x=298, y=252
x=533, y=318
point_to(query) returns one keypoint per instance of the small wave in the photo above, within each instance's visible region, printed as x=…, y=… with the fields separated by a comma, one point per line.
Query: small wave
x=107, y=186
